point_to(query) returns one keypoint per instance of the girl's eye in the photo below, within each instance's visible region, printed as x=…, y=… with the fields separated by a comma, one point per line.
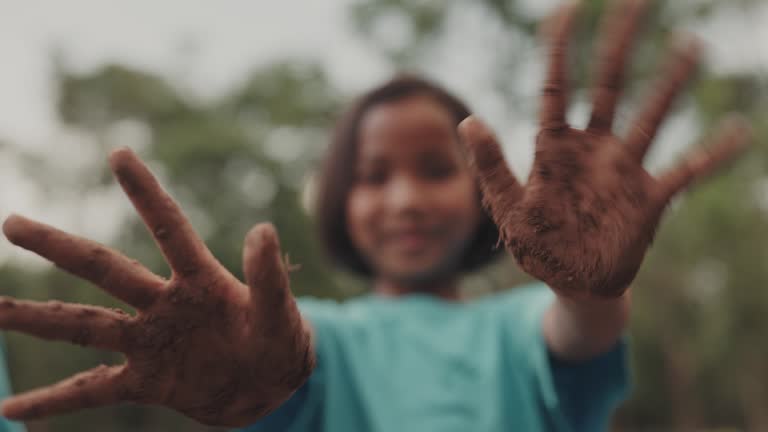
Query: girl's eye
x=438, y=169
x=372, y=177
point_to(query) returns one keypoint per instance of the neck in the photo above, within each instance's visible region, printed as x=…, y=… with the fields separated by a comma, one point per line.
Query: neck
x=446, y=289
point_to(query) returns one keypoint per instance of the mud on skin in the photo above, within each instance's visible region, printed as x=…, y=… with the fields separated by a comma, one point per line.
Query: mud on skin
x=202, y=342
x=588, y=212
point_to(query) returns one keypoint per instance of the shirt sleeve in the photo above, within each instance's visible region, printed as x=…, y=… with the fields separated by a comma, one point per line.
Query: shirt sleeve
x=5, y=391
x=577, y=397
x=589, y=392
x=303, y=412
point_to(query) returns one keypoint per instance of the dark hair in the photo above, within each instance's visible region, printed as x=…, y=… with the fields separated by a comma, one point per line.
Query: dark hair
x=337, y=176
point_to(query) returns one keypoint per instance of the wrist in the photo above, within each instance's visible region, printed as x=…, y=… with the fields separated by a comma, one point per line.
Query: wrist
x=582, y=328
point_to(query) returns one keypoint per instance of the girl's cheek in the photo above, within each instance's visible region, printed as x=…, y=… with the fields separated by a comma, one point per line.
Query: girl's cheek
x=362, y=202
x=461, y=202
x=461, y=195
x=361, y=212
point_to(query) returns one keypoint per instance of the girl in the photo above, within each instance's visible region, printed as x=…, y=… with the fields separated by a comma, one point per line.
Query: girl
x=399, y=204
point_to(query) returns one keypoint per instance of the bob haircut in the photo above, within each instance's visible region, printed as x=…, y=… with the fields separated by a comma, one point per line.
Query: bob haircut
x=337, y=177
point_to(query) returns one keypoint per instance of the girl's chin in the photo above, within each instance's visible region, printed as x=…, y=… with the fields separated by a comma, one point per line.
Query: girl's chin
x=433, y=265
x=420, y=276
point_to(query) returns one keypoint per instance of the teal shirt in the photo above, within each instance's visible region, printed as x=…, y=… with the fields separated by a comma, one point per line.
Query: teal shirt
x=418, y=363
x=5, y=391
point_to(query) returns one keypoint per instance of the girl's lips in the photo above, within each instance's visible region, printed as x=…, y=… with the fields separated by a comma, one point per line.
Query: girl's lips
x=410, y=241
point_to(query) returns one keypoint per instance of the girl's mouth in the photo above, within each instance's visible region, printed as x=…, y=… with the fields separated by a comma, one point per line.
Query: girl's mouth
x=410, y=239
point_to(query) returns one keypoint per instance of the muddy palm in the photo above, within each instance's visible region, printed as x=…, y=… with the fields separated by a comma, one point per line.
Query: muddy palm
x=201, y=342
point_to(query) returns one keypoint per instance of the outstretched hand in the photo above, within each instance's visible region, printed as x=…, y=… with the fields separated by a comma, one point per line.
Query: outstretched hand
x=589, y=210
x=202, y=342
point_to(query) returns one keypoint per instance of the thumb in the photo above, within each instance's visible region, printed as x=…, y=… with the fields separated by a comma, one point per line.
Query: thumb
x=265, y=271
x=500, y=189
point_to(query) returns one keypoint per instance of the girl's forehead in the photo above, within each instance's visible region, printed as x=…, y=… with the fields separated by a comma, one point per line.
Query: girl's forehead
x=411, y=123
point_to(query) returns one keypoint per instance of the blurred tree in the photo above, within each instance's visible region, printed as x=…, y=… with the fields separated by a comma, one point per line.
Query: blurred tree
x=231, y=162
x=699, y=338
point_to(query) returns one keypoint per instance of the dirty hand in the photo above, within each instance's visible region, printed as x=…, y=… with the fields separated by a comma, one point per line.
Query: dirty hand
x=589, y=210
x=202, y=342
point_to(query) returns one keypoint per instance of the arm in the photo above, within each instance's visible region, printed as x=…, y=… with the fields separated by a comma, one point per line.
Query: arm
x=579, y=330
x=589, y=211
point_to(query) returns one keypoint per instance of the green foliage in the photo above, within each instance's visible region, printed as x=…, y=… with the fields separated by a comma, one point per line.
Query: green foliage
x=217, y=159
x=698, y=328
x=115, y=92
x=213, y=155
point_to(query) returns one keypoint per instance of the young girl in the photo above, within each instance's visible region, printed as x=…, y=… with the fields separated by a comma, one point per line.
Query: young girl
x=400, y=203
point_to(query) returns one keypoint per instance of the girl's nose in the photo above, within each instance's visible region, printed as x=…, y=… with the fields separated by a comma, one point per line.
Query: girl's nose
x=406, y=194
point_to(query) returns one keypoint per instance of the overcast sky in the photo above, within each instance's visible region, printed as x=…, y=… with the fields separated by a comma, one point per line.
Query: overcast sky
x=211, y=44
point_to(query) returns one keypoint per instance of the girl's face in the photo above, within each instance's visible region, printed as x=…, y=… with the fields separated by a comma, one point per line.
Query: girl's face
x=414, y=206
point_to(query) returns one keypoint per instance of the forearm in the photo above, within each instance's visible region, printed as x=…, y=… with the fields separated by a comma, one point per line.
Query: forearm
x=584, y=328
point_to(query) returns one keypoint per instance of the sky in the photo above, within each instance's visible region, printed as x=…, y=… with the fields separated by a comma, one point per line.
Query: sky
x=208, y=45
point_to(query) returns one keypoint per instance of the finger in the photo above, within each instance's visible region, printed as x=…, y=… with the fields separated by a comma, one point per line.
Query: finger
x=80, y=324
x=185, y=251
x=265, y=270
x=733, y=137
x=618, y=32
x=554, y=99
x=680, y=67
x=117, y=274
x=97, y=387
x=500, y=188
